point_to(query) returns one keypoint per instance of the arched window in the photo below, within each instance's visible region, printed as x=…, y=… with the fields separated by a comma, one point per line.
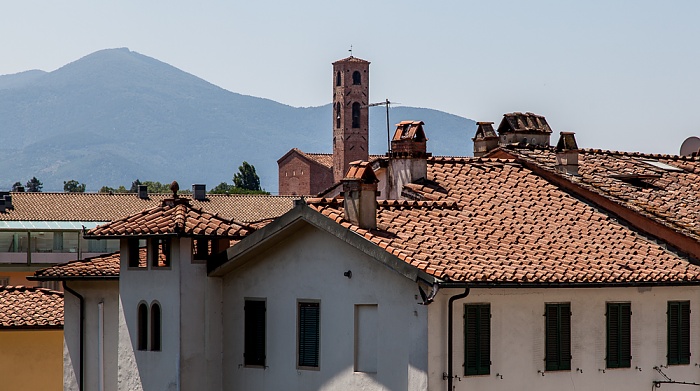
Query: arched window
x=356, y=78
x=337, y=115
x=355, y=115
x=142, y=326
x=337, y=79
x=155, y=327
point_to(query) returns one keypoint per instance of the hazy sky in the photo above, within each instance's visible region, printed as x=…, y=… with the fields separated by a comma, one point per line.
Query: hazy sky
x=622, y=75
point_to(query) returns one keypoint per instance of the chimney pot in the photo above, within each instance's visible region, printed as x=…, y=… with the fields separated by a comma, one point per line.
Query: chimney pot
x=143, y=192
x=199, y=192
x=360, y=189
x=567, y=154
x=2, y=205
x=8, y=201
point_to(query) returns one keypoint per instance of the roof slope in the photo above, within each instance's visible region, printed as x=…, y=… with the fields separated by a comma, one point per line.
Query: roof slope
x=670, y=197
x=496, y=222
x=109, y=207
x=172, y=217
x=27, y=307
x=103, y=266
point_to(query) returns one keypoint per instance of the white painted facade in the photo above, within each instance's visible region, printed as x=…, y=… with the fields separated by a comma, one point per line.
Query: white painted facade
x=310, y=265
x=518, y=333
x=98, y=368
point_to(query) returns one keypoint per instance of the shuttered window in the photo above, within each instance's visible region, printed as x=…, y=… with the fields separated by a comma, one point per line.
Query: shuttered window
x=678, y=332
x=618, y=327
x=309, y=316
x=254, y=343
x=477, y=339
x=558, y=337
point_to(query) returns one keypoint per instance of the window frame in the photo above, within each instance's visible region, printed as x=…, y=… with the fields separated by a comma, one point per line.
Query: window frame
x=479, y=340
x=558, y=332
x=256, y=336
x=618, y=335
x=156, y=327
x=680, y=324
x=301, y=338
x=156, y=247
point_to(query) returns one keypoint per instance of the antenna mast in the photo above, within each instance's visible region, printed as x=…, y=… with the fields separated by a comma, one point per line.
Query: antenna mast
x=385, y=103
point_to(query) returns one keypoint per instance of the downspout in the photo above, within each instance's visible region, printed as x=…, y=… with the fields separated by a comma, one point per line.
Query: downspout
x=450, y=337
x=82, y=331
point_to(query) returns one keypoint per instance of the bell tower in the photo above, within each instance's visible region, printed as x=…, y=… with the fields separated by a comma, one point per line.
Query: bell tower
x=350, y=114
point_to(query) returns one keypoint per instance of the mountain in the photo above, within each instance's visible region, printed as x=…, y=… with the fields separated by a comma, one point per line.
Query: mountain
x=116, y=115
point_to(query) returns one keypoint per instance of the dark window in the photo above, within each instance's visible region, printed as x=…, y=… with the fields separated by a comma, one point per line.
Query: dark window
x=308, y=334
x=155, y=327
x=477, y=339
x=678, y=332
x=337, y=115
x=618, y=354
x=200, y=249
x=160, y=252
x=142, y=326
x=337, y=79
x=557, y=337
x=254, y=348
x=356, y=78
x=133, y=248
x=355, y=115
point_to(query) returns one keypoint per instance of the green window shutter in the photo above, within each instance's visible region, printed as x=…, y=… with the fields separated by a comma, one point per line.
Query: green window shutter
x=477, y=339
x=254, y=343
x=618, y=347
x=308, y=334
x=557, y=337
x=678, y=332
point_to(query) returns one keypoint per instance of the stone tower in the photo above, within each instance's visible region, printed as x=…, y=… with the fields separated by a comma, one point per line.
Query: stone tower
x=350, y=114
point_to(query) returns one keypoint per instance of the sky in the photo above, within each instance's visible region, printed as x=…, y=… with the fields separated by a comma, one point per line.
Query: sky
x=623, y=75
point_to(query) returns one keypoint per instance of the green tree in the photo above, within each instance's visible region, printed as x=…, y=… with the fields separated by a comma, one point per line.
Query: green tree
x=34, y=185
x=120, y=189
x=17, y=185
x=73, y=186
x=246, y=178
x=222, y=188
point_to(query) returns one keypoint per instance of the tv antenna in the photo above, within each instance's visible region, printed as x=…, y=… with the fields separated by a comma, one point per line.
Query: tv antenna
x=350, y=50
x=386, y=103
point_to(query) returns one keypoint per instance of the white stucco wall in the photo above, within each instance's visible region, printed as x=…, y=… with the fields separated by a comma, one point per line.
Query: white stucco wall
x=517, y=339
x=150, y=370
x=310, y=265
x=93, y=292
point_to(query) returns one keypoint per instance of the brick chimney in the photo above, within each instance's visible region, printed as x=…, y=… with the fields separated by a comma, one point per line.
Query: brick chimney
x=567, y=154
x=408, y=159
x=485, y=139
x=360, y=193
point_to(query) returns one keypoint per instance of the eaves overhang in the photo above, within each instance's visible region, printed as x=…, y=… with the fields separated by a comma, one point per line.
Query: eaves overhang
x=244, y=251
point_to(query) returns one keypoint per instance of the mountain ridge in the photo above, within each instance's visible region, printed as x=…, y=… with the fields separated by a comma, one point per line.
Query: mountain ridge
x=115, y=115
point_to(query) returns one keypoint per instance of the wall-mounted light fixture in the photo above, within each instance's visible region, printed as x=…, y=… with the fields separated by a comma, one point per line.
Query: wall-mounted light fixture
x=348, y=274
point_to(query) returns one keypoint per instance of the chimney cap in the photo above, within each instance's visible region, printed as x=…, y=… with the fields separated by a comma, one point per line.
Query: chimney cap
x=567, y=142
x=410, y=130
x=361, y=171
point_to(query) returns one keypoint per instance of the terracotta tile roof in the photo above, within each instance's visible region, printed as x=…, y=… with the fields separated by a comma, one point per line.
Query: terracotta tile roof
x=497, y=222
x=109, y=207
x=326, y=159
x=102, y=266
x=670, y=197
x=28, y=307
x=172, y=217
x=352, y=59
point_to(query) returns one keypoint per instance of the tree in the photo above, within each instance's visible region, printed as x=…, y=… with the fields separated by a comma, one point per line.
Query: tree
x=120, y=189
x=222, y=188
x=135, y=186
x=73, y=186
x=246, y=178
x=34, y=185
x=17, y=186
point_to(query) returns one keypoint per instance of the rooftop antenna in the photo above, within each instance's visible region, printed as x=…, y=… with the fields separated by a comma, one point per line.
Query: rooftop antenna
x=386, y=103
x=350, y=50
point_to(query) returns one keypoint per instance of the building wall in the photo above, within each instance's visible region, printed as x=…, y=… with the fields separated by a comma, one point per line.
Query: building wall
x=31, y=360
x=145, y=369
x=299, y=176
x=517, y=339
x=310, y=265
x=93, y=292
